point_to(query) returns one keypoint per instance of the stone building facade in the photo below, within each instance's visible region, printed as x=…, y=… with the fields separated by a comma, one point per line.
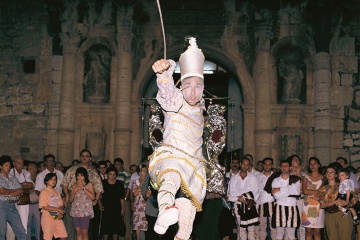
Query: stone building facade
x=73, y=73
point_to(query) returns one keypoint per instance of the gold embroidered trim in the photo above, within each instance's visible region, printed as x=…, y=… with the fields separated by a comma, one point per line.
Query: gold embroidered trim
x=185, y=189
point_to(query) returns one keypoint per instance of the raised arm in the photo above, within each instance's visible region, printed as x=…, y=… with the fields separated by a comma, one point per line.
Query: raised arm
x=169, y=97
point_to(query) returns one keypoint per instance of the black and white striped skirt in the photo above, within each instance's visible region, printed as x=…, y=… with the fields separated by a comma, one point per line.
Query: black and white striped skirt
x=248, y=217
x=266, y=209
x=285, y=216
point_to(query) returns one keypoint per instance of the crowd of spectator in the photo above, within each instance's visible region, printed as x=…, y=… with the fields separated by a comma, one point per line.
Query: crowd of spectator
x=90, y=200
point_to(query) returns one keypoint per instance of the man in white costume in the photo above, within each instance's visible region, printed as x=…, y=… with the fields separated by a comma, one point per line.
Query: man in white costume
x=265, y=203
x=177, y=165
x=243, y=191
x=285, y=189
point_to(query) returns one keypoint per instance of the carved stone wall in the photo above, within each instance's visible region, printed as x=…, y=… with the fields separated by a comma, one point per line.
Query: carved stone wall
x=43, y=62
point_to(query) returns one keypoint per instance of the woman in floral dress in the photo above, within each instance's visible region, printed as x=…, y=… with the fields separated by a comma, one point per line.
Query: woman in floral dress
x=312, y=214
x=139, y=218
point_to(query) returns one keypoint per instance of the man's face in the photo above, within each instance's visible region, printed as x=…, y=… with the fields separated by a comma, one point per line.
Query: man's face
x=85, y=158
x=50, y=162
x=285, y=168
x=118, y=166
x=18, y=164
x=259, y=166
x=235, y=164
x=102, y=169
x=342, y=162
x=193, y=88
x=295, y=162
x=245, y=164
x=59, y=166
x=133, y=169
x=32, y=168
x=267, y=165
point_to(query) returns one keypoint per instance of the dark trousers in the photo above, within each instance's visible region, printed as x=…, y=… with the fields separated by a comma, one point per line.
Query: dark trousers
x=207, y=221
x=95, y=223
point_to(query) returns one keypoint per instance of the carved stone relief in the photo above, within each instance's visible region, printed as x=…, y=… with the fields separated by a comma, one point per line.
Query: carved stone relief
x=290, y=145
x=97, y=74
x=291, y=71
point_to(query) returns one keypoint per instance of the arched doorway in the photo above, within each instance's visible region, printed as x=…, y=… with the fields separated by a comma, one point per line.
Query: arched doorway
x=219, y=82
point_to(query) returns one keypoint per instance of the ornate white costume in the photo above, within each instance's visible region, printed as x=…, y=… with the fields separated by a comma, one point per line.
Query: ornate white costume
x=181, y=148
x=178, y=162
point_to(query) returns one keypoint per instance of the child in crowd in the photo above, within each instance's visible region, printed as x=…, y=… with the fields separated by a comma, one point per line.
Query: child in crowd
x=81, y=198
x=345, y=187
x=52, y=209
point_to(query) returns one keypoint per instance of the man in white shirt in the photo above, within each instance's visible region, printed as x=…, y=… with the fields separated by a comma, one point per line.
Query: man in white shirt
x=226, y=221
x=251, y=166
x=265, y=203
x=49, y=160
x=296, y=169
x=24, y=178
x=285, y=189
x=243, y=192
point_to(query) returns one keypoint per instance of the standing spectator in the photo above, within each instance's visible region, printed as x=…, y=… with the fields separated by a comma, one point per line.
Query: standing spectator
x=312, y=215
x=285, y=189
x=108, y=163
x=59, y=166
x=10, y=190
x=75, y=162
x=81, y=197
x=124, y=177
x=133, y=169
x=259, y=166
x=95, y=222
x=251, y=166
x=243, y=192
x=41, y=166
x=69, y=182
x=33, y=228
x=344, y=163
x=49, y=161
x=139, y=218
x=336, y=226
x=52, y=209
x=102, y=170
x=297, y=170
x=134, y=176
x=266, y=201
x=24, y=178
x=227, y=221
x=112, y=205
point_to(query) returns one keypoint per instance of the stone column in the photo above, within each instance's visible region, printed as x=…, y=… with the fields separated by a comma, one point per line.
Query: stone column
x=67, y=99
x=136, y=113
x=322, y=107
x=122, y=131
x=262, y=76
x=249, y=128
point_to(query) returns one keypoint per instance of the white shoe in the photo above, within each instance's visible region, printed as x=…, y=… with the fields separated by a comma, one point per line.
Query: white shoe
x=166, y=218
